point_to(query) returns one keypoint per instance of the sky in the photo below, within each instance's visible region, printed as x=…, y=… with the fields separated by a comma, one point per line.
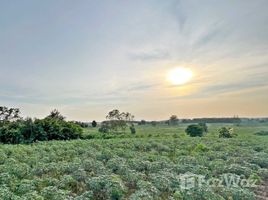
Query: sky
x=87, y=57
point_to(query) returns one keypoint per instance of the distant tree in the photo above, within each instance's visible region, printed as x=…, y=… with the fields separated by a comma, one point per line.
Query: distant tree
x=262, y=133
x=142, y=122
x=8, y=114
x=132, y=129
x=119, y=121
x=153, y=123
x=105, y=127
x=94, y=123
x=82, y=124
x=204, y=126
x=237, y=120
x=167, y=122
x=226, y=132
x=194, y=130
x=55, y=114
x=173, y=120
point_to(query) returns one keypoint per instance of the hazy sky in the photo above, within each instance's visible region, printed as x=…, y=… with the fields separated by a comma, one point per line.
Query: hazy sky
x=86, y=57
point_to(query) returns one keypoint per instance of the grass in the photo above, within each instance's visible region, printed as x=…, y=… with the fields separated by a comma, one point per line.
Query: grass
x=147, y=165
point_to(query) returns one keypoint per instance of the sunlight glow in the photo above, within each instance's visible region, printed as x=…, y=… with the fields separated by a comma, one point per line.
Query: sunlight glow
x=179, y=75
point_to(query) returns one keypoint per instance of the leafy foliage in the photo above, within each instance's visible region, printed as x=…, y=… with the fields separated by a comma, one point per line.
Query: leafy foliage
x=8, y=114
x=94, y=123
x=226, y=132
x=53, y=127
x=173, y=120
x=55, y=114
x=195, y=130
x=117, y=121
x=262, y=133
x=204, y=126
x=132, y=129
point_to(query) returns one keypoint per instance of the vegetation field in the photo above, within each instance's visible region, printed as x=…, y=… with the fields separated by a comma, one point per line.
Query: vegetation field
x=154, y=163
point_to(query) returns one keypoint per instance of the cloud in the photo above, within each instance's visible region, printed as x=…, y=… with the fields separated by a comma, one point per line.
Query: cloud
x=211, y=35
x=141, y=87
x=153, y=55
x=177, y=10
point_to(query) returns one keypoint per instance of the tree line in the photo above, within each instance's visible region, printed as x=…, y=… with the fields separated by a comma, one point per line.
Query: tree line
x=16, y=130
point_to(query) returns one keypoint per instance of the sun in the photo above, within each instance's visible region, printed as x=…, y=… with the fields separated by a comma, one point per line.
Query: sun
x=179, y=75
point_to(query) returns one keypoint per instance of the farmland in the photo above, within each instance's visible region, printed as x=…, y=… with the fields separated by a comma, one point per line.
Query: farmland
x=150, y=164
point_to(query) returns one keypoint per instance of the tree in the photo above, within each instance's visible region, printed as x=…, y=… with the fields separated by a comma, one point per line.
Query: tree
x=105, y=127
x=82, y=124
x=94, y=123
x=204, y=126
x=132, y=129
x=153, y=123
x=55, y=114
x=237, y=120
x=194, y=130
x=142, y=122
x=173, y=120
x=28, y=130
x=226, y=132
x=8, y=114
x=119, y=120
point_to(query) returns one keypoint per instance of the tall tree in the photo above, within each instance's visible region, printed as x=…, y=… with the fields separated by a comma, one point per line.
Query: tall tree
x=8, y=114
x=94, y=123
x=55, y=114
x=173, y=120
x=118, y=120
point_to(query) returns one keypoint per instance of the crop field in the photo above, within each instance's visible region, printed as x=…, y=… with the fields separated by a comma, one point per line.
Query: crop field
x=159, y=162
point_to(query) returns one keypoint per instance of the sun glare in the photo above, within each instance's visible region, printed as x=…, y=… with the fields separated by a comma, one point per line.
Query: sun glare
x=179, y=75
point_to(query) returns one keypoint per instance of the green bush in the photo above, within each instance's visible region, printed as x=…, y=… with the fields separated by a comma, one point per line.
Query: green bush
x=132, y=129
x=195, y=130
x=28, y=131
x=226, y=132
x=105, y=127
x=204, y=126
x=107, y=187
x=262, y=133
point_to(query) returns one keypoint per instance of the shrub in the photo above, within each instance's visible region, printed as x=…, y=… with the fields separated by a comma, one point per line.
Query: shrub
x=262, y=133
x=53, y=193
x=105, y=127
x=6, y=194
x=82, y=124
x=132, y=129
x=28, y=131
x=204, y=126
x=3, y=157
x=153, y=123
x=94, y=123
x=107, y=187
x=10, y=133
x=201, y=148
x=24, y=187
x=67, y=182
x=177, y=196
x=194, y=130
x=226, y=132
x=142, y=122
x=85, y=196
